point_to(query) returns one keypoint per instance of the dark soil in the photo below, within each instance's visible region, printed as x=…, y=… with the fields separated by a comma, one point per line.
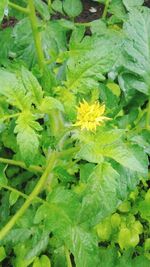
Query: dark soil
x=147, y=3
x=9, y=22
x=86, y=16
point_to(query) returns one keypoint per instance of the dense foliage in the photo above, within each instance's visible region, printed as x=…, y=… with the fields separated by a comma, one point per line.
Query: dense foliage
x=74, y=135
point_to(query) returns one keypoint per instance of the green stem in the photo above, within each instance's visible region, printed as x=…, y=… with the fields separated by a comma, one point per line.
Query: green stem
x=36, y=34
x=49, y=3
x=86, y=24
x=22, y=165
x=22, y=194
x=56, y=122
x=106, y=9
x=14, y=190
x=6, y=117
x=19, y=8
x=68, y=152
x=148, y=116
x=69, y=264
x=27, y=203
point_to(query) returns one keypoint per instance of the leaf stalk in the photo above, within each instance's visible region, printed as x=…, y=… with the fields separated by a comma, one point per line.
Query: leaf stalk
x=36, y=34
x=106, y=9
x=19, y=8
x=52, y=161
x=21, y=164
x=69, y=264
x=148, y=116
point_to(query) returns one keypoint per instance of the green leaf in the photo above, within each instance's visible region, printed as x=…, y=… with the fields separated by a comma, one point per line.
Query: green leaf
x=128, y=180
x=53, y=37
x=129, y=4
x=14, y=91
x=109, y=144
x=3, y=178
x=141, y=261
x=89, y=59
x=128, y=260
x=59, y=257
x=57, y=5
x=17, y=235
x=9, y=138
x=106, y=187
x=142, y=140
x=101, y=195
x=108, y=95
x=13, y=198
x=42, y=8
x=36, y=262
x=124, y=207
x=63, y=175
x=144, y=208
x=50, y=103
x=84, y=247
x=72, y=7
x=137, y=47
x=2, y=254
x=104, y=230
x=117, y=9
x=98, y=27
x=115, y=220
x=91, y=153
x=27, y=137
x=23, y=45
x=85, y=171
x=45, y=261
x=69, y=101
x=32, y=85
x=131, y=157
x=3, y=5
x=41, y=214
x=65, y=206
x=4, y=210
x=127, y=238
x=40, y=246
x=6, y=44
x=108, y=257
x=60, y=213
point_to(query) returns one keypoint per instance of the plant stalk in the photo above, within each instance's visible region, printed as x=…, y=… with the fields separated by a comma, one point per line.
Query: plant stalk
x=86, y=24
x=19, y=8
x=106, y=9
x=56, y=122
x=38, y=199
x=49, y=3
x=148, y=116
x=21, y=164
x=7, y=117
x=36, y=34
x=39, y=186
x=69, y=264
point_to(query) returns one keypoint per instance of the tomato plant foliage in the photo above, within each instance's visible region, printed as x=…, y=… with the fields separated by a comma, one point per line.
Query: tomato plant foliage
x=71, y=195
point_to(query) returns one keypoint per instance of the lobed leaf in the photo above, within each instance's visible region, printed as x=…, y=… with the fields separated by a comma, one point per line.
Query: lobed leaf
x=3, y=5
x=27, y=137
x=137, y=47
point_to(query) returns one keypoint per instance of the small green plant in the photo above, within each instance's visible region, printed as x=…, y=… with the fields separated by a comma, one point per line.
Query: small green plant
x=74, y=135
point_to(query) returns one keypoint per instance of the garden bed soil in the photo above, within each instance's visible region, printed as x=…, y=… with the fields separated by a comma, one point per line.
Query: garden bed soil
x=87, y=15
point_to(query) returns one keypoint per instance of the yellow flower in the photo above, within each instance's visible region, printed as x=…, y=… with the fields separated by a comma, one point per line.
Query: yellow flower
x=90, y=116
